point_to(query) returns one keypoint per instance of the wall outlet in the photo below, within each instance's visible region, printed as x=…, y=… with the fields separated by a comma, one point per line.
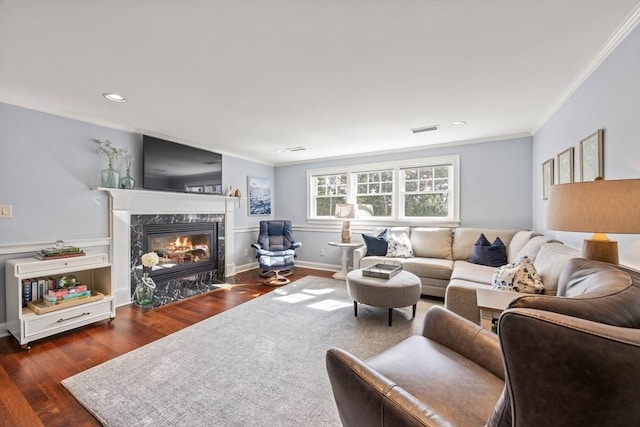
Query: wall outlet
x=6, y=211
x=246, y=252
x=321, y=252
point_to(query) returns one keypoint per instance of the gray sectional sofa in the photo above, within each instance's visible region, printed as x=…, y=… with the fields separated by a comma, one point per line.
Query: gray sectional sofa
x=441, y=261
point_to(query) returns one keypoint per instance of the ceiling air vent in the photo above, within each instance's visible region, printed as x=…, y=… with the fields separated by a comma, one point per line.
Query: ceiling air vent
x=298, y=148
x=425, y=129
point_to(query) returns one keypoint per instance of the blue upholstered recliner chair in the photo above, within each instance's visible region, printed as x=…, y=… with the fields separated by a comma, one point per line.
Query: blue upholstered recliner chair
x=276, y=251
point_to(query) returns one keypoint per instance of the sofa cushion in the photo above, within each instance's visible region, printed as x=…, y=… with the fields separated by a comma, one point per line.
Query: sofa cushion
x=549, y=262
x=399, y=246
x=487, y=253
x=464, y=238
x=532, y=247
x=376, y=244
x=435, y=268
x=519, y=276
x=519, y=240
x=431, y=242
x=465, y=270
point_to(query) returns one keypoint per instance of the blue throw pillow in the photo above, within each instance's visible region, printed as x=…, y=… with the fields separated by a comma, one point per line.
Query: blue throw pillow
x=486, y=253
x=376, y=245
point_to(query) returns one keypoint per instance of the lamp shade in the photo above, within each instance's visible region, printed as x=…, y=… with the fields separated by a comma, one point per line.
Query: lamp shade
x=599, y=206
x=345, y=210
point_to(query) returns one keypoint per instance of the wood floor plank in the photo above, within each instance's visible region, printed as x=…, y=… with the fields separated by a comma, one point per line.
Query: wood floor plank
x=14, y=408
x=30, y=389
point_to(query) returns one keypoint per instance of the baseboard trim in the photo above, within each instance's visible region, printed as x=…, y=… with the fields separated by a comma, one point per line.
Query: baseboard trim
x=305, y=264
x=4, y=332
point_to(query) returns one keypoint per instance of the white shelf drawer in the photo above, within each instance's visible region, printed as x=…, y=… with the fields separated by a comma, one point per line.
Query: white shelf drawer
x=65, y=319
x=42, y=267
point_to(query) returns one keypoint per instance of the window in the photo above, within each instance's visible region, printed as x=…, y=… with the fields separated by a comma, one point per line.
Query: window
x=328, y=190
x=424, y=190
x=374, y=193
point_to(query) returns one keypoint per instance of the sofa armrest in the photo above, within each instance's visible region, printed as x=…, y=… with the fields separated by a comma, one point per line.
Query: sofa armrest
x=590, y=367
x=358, y=254
x=464, y=337
x=366, y=398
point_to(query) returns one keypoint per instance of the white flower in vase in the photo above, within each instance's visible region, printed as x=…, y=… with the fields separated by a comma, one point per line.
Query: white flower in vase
x=148, y=261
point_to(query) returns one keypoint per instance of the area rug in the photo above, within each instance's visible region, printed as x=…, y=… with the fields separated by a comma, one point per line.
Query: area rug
x=258, y=364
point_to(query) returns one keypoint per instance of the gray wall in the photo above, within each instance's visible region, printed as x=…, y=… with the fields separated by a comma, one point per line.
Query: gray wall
x=495, y=191
x=49, y=170
x=48, y=167
x=608, y=99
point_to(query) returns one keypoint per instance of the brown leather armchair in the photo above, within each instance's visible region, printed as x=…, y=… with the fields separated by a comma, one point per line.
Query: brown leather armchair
x=547, y=367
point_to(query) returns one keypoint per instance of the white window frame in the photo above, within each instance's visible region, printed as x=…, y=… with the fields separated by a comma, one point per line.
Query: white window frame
x=452, y=220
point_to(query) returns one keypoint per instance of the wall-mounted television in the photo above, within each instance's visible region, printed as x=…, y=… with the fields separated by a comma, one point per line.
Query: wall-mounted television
x=170, y=166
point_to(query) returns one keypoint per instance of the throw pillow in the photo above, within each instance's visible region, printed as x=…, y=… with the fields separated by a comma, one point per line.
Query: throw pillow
x=399, y=246
x=519, y=276
x=486, y=253
x=376, y=245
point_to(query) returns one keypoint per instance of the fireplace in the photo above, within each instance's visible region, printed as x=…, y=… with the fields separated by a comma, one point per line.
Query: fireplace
x=184, y=249
x=191, y=252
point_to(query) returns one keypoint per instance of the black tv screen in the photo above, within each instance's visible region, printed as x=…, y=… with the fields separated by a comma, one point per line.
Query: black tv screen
x=170, y=166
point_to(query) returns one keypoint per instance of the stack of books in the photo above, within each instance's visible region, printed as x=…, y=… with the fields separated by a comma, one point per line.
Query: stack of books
x=61, y=296
x=63, y=252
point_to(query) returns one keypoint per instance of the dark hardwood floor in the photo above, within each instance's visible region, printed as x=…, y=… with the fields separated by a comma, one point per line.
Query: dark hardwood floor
x=30, y=390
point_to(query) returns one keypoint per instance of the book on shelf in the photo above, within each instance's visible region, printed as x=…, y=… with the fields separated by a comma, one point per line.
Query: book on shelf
x=26, y=291
x=61, y=250
x=42, y=256
x=49, y=300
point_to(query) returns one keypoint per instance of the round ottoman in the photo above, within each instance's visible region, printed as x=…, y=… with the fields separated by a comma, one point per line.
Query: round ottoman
x=402, y=290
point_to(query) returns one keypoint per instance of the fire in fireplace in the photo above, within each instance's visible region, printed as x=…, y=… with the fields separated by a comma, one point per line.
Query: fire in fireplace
x=184, y=248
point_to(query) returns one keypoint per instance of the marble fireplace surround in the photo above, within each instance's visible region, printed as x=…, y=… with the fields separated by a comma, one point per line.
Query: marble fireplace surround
x=124, y=203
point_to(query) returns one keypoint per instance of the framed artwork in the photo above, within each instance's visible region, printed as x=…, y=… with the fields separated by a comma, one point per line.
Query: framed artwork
x=547, y=178
x=592, y=156
x=259, y=190
x=565, y=166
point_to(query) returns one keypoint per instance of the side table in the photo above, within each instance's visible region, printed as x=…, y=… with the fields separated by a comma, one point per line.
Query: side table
x=492, y=303
x=346, y=247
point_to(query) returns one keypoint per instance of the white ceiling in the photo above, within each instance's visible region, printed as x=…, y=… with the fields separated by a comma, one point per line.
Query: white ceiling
x=339, y=78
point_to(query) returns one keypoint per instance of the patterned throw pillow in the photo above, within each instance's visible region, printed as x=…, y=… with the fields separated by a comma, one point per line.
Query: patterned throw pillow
x=376, y=245
x=487, y=253
x=399, y=246
x=519, y=276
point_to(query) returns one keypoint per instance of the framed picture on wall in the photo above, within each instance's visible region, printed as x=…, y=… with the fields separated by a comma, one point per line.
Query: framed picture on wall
x=547, y=178
x=565, y=166
x=592, y=156
x=259, y=190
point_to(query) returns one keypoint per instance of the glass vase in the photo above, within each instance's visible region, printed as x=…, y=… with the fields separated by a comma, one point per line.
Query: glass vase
x=143, y=295
x=127, y=182
x=110, y=177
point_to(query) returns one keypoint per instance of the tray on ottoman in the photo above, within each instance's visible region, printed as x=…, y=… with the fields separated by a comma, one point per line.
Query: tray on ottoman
x=382, y=271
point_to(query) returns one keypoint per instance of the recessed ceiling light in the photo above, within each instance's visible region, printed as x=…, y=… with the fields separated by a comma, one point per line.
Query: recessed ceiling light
x=459, y=123
x=114, y=97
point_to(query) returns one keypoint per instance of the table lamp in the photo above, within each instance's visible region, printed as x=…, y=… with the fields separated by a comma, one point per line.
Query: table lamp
x=598, y=207
x=345, y=210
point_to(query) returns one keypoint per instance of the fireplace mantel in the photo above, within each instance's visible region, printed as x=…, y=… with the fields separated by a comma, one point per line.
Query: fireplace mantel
x=124, y=203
